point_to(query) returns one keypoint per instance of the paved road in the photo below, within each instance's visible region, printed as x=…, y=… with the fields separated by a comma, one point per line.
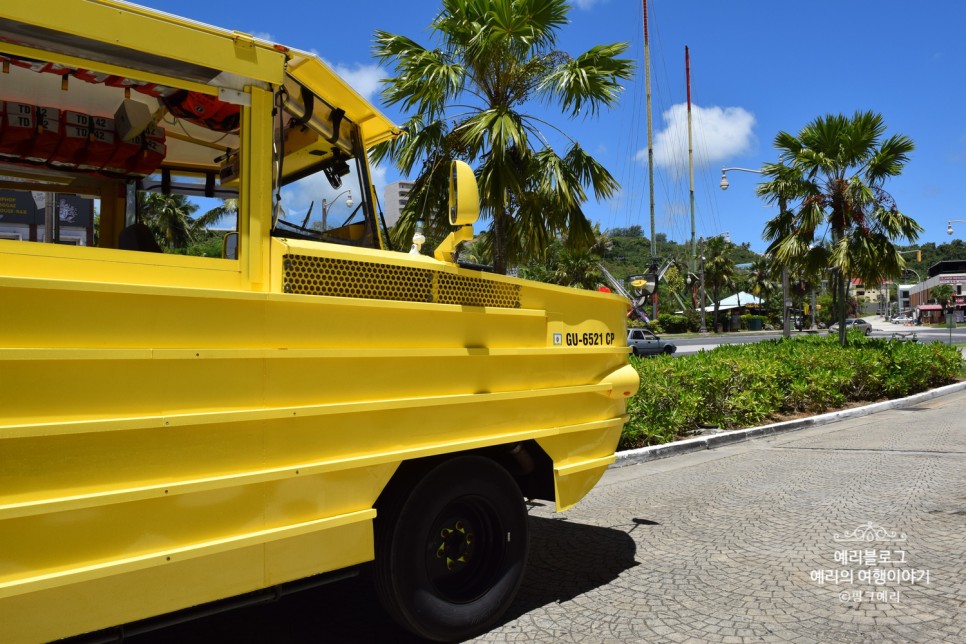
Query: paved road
x=731, y=545
x=880, y=329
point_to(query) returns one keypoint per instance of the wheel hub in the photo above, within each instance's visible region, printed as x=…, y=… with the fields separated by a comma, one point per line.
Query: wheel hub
x=456, y=546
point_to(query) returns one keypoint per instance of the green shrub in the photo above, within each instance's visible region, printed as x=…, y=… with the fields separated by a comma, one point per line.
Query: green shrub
x=748, y=317
x=735, y=386
x=672, y=323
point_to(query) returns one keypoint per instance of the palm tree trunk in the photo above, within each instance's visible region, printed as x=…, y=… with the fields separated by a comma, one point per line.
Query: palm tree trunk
x=843, y=336
x=499, y=241
x=837, y=234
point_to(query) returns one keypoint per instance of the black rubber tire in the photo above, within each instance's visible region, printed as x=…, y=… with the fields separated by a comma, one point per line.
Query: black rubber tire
x=451, y=553
x=868, y=332
x=668, y=351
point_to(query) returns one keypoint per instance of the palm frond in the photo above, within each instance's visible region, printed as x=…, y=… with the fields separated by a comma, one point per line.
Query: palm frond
x=588, y=171
x=890, y=159
x=590, y=81
x=490, y=58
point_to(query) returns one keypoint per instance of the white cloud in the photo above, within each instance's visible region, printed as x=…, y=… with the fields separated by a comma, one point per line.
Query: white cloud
x=587, y=5
x=362, y=78
x=264, y=35
x=718, y=133
x=378, y=179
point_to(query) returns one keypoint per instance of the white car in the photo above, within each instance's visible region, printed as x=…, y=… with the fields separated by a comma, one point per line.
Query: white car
x=902, y=319
x=643, y=342
x=853, y=323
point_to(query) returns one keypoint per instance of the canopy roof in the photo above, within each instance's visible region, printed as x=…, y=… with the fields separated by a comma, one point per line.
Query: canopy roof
x=740, y=299
x=310, y=71
x=735, y=301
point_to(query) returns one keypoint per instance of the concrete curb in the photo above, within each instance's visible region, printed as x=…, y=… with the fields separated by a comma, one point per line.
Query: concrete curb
x=699, y=443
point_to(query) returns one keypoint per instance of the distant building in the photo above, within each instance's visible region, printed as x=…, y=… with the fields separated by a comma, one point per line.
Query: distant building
x=904, y=291
x=951, y=272
x=863, y=294
x=395, y=198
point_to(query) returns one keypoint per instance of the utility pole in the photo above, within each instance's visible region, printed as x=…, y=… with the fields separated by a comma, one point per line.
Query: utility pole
x=687, y=74
x=650, y=155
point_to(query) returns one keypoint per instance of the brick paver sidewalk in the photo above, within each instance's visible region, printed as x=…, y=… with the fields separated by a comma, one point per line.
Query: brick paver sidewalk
x=851, y=532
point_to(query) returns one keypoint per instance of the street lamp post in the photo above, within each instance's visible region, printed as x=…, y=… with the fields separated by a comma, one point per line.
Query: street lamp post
x=328, y=204
x=949, y=225
x=325, y=209
x=918, y=290
x=786, y=304
x=704, y=326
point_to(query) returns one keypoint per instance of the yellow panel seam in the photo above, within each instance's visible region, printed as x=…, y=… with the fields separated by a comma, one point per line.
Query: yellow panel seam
x=583, y=465
x=17, y=354
x=275, y=413
x=81, y=501
x=193, y=551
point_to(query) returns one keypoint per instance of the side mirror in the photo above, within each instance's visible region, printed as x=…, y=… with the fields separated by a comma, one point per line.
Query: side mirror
x=643, y=284
x=464, y=195
x=464, y=210
x=229, y=246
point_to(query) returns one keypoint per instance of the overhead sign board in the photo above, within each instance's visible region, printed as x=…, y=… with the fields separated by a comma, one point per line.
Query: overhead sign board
x=18, y=207
x=23, y=207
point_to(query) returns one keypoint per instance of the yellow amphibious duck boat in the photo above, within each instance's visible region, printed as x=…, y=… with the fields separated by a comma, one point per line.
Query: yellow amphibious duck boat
x=175, y=429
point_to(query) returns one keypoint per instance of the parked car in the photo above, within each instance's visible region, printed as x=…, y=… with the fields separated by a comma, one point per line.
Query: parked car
x=643, y=342
x=853, y=323
x=902, y=319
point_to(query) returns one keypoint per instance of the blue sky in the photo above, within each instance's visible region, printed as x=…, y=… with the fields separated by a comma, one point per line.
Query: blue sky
x=757, y=67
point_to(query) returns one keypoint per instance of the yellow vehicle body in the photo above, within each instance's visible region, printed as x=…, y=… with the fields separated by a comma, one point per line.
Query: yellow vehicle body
x=176, y=430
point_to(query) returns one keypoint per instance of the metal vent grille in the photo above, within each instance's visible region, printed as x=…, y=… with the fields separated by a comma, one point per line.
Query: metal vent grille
x=471, y=291
x=307, y=275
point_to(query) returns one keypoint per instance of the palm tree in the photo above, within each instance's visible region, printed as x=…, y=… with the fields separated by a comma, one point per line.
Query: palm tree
x=228, y=208
x=761, y=280
x=844, y=222
x=494, y=60
x=577, y=268
x=719, y=271
x=168, y=217
x=942, y=294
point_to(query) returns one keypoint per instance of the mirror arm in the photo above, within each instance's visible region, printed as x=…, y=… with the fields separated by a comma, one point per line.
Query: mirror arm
x=446, y=251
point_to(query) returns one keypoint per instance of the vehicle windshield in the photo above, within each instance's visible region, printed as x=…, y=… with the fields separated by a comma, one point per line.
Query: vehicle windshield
x=327, y=205
x=325, y=178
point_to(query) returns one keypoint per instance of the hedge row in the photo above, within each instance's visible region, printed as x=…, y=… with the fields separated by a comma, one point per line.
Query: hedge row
x=736, y=386
x=691, y=322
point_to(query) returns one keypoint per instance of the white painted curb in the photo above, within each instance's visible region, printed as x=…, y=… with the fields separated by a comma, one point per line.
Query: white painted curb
x=644, y=454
